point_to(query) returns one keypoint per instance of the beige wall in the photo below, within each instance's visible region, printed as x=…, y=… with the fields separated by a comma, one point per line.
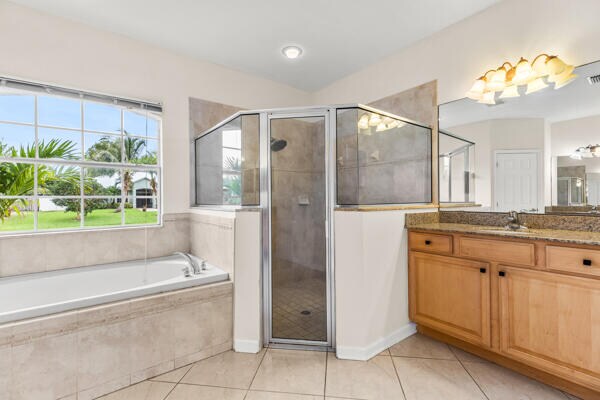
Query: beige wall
x=566, y=136
x=500, y=134
x=247, y=294
x=50, y=49
x=371, y=281
x=460, y=53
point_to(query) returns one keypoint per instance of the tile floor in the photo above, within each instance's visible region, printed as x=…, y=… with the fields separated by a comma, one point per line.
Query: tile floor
x=417, y=368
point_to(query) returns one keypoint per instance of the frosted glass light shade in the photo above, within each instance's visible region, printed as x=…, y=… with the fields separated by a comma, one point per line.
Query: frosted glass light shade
x=535, y=86
x=477, y=89
x=523, y=73
x=498, y=81
x=363, y=122
x=374, y=120
x=488, y=98
x=509, y=92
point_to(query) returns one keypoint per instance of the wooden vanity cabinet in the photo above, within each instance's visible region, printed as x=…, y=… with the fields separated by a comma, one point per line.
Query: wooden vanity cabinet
x=451, y=295
x=527, y=304
x=552, y=322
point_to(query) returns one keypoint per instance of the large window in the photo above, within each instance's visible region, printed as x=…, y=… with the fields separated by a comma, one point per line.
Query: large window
x=71, y=160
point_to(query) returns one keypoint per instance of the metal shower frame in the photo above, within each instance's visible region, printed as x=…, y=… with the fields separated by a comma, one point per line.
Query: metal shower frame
x=265, y=117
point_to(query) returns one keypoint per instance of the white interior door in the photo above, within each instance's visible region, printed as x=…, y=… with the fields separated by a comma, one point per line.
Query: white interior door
x=593, y=189
x=516, y=181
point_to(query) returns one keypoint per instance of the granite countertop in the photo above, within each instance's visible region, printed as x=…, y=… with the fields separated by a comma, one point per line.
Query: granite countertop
x=551, y=235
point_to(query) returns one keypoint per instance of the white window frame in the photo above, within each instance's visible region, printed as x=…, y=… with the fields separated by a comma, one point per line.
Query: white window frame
x=82, y=163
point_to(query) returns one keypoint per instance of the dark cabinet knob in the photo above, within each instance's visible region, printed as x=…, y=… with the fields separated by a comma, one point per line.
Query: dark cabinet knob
x=501, y=273
x=587, y=263
x=482, y=270
x=428, y=242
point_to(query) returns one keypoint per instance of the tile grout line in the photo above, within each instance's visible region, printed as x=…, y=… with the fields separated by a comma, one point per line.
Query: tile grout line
x=256, y=372
x=467, y=371
x=325, y=381
x=184, y=375
x=398, y=376
x=427, y=358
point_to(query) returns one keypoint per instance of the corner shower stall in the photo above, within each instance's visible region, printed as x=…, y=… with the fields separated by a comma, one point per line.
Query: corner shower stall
x=298, y=166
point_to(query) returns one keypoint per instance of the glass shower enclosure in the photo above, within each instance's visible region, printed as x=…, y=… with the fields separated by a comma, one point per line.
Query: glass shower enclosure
x=456, y=168
x=296, y=166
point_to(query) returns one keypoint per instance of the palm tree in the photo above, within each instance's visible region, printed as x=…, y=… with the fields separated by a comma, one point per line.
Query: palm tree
x=233, y=182
x=18, y=179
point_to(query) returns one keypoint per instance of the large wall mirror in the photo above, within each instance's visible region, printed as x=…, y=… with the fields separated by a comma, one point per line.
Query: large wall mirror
x=539, y=152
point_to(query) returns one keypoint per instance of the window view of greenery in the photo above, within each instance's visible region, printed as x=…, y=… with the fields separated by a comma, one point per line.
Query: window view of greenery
x=70, y=163
x=227, y=163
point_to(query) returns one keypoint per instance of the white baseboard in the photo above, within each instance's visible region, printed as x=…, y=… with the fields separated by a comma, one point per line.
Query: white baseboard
x=247, y=346
x=366, y=353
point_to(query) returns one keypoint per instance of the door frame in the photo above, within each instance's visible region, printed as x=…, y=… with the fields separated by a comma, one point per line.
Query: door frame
x=540, y=175
x=328, y=115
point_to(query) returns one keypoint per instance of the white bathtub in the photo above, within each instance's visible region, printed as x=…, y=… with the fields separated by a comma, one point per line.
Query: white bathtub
x=34, y=295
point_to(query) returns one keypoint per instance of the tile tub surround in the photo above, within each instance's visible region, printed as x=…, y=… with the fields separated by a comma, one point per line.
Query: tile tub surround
x=90, y=352
x=212, y=237
x=30, y=253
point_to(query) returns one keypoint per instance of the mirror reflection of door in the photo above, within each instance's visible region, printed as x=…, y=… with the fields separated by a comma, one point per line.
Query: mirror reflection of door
x=516, y=181
x=562, y=125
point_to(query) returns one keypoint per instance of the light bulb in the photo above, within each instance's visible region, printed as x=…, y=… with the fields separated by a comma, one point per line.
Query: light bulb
x=477, y=89
x=381, y=127
x=539, y=65
x=535, y=86
x=292, y=52
x=556, y=66
x=363, y=122
x=510, y=91
x=488, y=98
x=523, y=73
x=498, y=81
x=374, y=120
x=565, y=81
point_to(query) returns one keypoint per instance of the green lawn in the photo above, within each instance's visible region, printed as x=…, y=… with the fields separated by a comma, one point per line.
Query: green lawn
x=61, y=219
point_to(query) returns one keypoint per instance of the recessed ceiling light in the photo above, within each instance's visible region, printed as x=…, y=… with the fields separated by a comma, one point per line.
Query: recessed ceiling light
x=292, y=52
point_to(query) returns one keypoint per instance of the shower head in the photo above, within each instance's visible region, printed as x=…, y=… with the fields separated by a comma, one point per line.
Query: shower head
x=278, y=144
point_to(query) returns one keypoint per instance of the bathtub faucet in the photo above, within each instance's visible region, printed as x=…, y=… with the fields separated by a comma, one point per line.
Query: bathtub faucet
x=193, y=265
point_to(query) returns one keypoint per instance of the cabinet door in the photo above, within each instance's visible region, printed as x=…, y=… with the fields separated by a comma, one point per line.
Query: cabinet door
x=552, y=322
x=451, y=295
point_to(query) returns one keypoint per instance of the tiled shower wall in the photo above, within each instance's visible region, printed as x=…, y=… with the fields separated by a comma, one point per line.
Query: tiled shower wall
x=41, y=252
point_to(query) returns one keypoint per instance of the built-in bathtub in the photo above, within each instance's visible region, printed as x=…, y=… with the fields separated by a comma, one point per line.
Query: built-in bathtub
x=34, y=295
x=84, y=332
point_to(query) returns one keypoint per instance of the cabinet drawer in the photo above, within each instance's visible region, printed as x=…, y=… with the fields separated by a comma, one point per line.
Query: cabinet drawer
x=498, y=250
x=430, y=242
x=581, y=261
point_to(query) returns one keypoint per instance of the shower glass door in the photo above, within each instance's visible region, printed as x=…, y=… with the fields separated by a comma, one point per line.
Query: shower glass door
x=298, y=230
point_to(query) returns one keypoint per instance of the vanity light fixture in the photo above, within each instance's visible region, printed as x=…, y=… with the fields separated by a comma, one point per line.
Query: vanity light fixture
x=292, y=52
x=508, y=78
x=588, y=151
x=381, y=124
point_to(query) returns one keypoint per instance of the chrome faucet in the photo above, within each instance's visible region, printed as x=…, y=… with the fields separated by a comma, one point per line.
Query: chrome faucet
x=193, y=267
x=513, y=221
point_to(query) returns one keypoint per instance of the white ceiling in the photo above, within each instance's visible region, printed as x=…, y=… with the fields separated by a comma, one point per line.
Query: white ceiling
x=577, y=100
x=338, y=36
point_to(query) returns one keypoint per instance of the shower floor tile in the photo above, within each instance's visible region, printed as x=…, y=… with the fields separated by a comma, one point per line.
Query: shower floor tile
x=299, y=310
